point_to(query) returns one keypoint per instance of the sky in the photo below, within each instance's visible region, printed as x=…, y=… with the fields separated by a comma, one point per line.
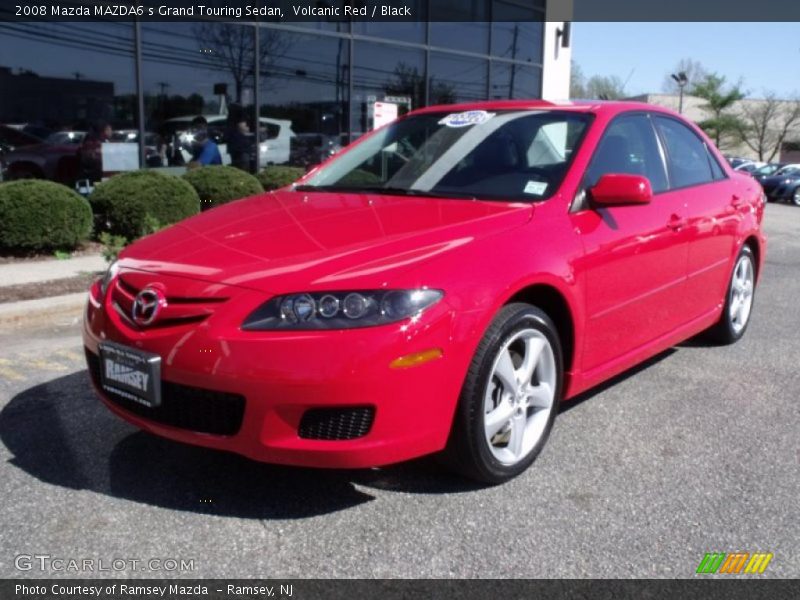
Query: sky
x=766, y=56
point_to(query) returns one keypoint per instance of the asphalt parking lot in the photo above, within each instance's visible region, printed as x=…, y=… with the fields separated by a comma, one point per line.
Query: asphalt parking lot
x=697, y=451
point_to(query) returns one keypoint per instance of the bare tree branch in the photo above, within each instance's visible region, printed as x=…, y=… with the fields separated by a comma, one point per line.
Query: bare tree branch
x=232, y=47
x=766, y=123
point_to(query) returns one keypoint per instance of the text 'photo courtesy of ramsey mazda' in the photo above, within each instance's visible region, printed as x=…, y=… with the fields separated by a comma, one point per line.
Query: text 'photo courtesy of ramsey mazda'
x=440, y=286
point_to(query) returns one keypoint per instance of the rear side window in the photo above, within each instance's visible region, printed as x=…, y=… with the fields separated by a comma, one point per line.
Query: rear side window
x=687, y=155
x=716, y=170
x=629, y=147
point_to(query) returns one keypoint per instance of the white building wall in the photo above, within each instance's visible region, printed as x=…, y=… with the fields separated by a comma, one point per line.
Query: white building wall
x=556, y=58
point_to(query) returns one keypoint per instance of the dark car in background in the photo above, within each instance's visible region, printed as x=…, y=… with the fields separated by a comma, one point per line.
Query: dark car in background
x=12, y=138
x=784, y=185
x=767, y=171
x=55, y=158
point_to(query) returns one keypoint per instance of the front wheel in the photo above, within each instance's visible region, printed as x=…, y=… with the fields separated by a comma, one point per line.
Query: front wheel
x=510, y=396
x=738, y=301
x=796, y=197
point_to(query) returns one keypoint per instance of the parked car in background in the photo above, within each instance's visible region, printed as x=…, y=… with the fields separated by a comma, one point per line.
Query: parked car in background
x=783, y=186
x=735, y=161
x=767, y=170
x=275, y=135
x=750, y=166
x=439, y=285
x=309, y=149
x=56, y=159
x=38, y=131
x=12, y=138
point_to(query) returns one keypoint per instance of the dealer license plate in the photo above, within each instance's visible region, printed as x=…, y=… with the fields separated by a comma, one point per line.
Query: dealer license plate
x=131, y=373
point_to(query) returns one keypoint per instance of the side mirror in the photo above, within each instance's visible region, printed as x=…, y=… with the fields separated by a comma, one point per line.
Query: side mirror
x=617, y=189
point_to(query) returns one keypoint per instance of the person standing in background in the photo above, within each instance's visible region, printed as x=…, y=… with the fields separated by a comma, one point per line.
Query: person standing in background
x=204, y=150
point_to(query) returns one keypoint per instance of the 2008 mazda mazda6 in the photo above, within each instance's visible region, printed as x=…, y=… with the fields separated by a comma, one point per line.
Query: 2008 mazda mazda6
x=438, y=287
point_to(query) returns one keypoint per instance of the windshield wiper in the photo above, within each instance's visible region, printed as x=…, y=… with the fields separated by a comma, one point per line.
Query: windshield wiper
x=377, y=189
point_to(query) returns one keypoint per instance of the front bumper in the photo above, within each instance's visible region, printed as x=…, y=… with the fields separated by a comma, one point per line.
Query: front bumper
x=282, y=375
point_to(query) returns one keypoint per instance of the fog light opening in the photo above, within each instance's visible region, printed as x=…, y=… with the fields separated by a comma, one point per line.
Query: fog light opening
x=416, y=359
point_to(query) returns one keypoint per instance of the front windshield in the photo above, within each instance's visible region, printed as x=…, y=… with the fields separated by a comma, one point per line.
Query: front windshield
x=518, y=155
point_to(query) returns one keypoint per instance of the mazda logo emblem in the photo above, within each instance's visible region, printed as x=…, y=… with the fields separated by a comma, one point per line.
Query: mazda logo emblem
x=147, y=305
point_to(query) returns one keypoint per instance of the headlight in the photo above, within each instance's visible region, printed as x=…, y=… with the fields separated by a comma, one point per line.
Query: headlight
x=340, y=310
x=111, y=272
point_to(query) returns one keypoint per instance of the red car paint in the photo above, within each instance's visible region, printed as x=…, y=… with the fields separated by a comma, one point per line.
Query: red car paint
x=632, y=280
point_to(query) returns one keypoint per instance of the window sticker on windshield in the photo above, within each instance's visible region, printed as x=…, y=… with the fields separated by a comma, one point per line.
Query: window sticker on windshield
x=464, y=119
x=535, y=187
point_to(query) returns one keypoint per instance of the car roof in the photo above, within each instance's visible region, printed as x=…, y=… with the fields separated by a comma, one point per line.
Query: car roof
x=608, y=107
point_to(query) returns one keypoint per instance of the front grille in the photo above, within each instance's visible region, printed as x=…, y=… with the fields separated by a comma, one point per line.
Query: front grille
x=336, y=423
x=179, y=310
x=182, y=406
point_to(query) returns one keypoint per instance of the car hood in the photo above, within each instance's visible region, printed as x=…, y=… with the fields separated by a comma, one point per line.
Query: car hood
x=290, y=241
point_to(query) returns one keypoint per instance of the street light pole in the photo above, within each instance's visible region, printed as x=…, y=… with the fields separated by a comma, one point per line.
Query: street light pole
x=681, y=79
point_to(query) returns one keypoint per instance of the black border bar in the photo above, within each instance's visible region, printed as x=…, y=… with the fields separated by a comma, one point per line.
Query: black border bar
x=701, y=588
x=407, y=10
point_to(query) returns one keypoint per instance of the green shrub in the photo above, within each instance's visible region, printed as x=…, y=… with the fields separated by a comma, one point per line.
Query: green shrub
x=38, y=215
x=360, y=178
x=112, y=246
x=277, y=176
x=128, y=203
x=220, y=184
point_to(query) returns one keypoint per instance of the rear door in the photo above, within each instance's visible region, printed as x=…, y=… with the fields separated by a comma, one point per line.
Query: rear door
x=635, y=256
x=713, y=212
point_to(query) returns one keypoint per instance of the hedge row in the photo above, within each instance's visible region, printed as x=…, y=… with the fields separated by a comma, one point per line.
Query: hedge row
x=40, y=215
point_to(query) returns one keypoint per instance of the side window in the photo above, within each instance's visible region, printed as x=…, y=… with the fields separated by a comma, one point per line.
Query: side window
x=629, y=146
x=716, y=170
x=686, y=154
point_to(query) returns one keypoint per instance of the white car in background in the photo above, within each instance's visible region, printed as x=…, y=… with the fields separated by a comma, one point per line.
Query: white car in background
x=275, y=135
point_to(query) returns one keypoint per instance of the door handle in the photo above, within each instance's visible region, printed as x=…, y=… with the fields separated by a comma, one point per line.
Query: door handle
x=676, y=222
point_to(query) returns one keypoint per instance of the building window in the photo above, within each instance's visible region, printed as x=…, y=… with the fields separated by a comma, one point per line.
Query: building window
x=517, y=31
x=385, y=73
x=471, y=34
x=515, y=81
x=66, y=84
x=455, y=78
x=305, y=87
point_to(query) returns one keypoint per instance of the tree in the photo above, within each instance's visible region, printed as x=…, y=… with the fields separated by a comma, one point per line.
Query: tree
x=406, y=81
x=577, y=81
x=694, y=71
x=232, y=48
x=723, y=125
x=605, y=87
x=764, y=124
x=602, y=87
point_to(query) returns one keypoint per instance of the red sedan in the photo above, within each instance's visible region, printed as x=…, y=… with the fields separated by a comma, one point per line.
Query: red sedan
x=439, y=286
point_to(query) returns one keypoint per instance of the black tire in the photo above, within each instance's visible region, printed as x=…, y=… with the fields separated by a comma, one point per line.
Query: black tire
x=795, y=198
x=724, y=331
x=468, y=450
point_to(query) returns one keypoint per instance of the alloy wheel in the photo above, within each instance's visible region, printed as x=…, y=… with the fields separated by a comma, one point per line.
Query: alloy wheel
x=519, y=396
x=741, y=300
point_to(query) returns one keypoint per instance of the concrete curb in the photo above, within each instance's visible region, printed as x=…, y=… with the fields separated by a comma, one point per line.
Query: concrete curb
x=56, y=310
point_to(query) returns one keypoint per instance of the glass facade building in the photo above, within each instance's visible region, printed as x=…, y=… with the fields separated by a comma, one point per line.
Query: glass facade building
x=316, y=81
